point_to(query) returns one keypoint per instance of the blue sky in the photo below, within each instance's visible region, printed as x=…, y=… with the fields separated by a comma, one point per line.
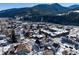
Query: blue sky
x=4, y=6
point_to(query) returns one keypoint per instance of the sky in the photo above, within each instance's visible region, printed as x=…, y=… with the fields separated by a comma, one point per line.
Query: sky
x=4, y=6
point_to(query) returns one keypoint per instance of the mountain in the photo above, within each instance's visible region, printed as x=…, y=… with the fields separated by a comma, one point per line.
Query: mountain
x=74, y=6
x=58, y=8
x=42, y=9
x=54, y=13
x=69, y=18
x=14, y=12
x=50, y=9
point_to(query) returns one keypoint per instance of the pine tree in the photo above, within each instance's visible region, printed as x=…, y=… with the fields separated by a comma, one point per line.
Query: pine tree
x=13, y=36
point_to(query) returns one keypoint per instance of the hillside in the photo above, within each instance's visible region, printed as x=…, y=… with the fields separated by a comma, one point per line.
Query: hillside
x=54, y=13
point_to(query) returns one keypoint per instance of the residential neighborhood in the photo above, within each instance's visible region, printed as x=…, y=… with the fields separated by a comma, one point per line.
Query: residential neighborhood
x=37, y=38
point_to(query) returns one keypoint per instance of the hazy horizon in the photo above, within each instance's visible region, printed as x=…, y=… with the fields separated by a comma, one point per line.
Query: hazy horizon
x=4, y=6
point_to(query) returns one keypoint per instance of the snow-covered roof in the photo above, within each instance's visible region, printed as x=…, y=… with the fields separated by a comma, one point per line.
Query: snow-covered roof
x=1, y=35
x=3, y=41
x=76, y=11
x=60, y=31
x=38, y=35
